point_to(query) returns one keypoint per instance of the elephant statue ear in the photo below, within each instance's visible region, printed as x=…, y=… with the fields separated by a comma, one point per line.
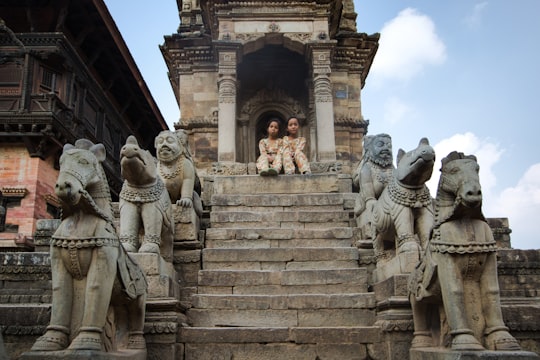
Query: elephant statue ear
x=400, y=154
x=68, y=147
x=99, y=152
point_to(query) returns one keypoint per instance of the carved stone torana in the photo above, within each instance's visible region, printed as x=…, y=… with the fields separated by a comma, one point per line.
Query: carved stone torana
x=403, y=214
x=459, y=267
x=87, y=263
x=371, y=177
x=176, y=169
x=145, y=206
x=264, y=96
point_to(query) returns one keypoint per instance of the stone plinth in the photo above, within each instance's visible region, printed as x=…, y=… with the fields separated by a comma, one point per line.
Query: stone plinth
x=84, y=355
x=187, y=224
x=445, y=354
x=45, y=228
x=402, y=263
x=160, y=275
x=292, y=184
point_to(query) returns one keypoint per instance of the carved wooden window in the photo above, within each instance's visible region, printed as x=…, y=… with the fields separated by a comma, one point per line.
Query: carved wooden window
x=10, y=78
x=53, y=206
x=3, y=211
x=74, y=96
x=50, y=81
x=10, y=197
x=90, y=114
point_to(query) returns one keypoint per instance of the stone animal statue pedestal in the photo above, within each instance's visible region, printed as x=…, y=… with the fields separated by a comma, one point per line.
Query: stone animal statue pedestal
x=85, y=355
x=402, y=263
x=446, y=354
x=187, y=225
x=161, y=276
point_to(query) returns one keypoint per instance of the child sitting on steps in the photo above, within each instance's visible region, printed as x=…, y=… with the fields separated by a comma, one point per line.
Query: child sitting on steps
x=294, y=149
x=270, y=161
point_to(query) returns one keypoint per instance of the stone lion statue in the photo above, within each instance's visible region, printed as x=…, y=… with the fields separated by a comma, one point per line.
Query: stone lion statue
x=177, y=170
x=144, y=204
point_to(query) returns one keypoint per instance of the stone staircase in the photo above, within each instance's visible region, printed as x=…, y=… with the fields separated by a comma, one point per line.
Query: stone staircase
x=280, y=277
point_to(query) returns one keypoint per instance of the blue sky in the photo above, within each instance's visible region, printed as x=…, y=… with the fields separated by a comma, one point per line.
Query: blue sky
x=462, y=73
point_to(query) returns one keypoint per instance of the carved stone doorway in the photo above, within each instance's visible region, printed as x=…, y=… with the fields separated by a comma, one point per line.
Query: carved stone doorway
x=273, y=82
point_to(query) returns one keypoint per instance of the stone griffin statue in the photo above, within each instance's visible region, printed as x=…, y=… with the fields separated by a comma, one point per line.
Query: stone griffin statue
x=459, y=268
x=177, y=170
x=96, y=286
x=371, y=177
x=404, y=211
x=144, y=204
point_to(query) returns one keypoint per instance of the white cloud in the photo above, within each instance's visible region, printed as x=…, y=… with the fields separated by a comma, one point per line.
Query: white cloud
x=396, y=110
x=408, y=43
x=521, y=205
x=487, y=154
x=475, y=18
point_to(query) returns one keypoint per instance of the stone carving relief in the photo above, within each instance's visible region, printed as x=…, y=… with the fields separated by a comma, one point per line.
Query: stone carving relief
x=96, y=286
x=326, y=167
x=248, y=37
x=227, y=90
x=265, y=96
x=403, y=214
x=323, y=88
x=459, y=269
x=300, y=37
x=145, y=207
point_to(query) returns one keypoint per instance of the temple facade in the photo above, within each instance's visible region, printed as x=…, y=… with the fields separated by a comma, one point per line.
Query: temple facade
x=234, y=65
x=65, y=74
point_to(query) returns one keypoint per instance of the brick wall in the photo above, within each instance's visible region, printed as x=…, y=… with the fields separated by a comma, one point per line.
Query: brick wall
x=19, y=170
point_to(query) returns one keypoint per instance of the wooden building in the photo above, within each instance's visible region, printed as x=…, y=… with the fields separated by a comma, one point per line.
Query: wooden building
x=65, y=74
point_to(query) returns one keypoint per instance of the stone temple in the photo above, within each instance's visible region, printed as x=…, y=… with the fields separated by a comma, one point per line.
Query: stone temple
x=260, y=267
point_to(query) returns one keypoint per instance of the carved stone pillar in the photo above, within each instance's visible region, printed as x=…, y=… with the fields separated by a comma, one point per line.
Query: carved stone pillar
x=324, y=105
x=244, y=139
x=227, y=106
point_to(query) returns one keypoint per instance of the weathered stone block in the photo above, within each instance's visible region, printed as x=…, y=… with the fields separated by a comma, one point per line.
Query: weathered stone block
x=331, y=317
x=391, y=287
x=445, y=354
x=256, y=318
x=320, y=183
x=187, y=224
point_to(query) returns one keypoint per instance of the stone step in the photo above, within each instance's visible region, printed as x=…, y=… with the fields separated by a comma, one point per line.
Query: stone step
x=296, y=184
x=262, y=282
x=268, y=202
x=281, y=318
x=284, y=219
x=280, y=258
x=274, y=233
x=276, y=244
x=282, y=302
x=271, y=343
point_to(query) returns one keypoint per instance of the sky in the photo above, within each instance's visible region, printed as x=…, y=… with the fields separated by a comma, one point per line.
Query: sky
x=463, y=73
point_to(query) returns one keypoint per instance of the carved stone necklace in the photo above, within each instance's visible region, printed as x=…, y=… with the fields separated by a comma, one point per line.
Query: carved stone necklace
x=143, y=193
x=171, y=171
x=411, y=197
